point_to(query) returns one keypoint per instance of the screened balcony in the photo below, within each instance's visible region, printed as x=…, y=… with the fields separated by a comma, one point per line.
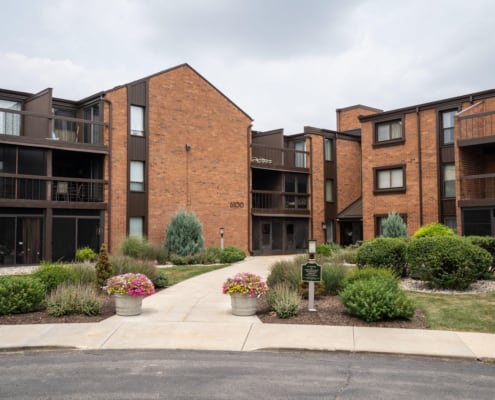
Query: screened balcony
x=279, y=158
x=270, y=202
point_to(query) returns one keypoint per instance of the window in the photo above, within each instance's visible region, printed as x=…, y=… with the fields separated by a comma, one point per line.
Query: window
x=92, y=132
x=300, y=150
x=137, y=176
x=388, y=131
x=451, y=222
x=389, y=179
x=449, y=180
x=10, y=123
x=379, y=223
x=448, y=126
x=137, y=121
x=136, y=226
x=328, y=150
x=329, y=232
x=329, y=190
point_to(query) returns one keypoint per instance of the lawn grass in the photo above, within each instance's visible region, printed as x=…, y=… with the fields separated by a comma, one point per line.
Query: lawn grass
x=181, y=273
x=460, y=312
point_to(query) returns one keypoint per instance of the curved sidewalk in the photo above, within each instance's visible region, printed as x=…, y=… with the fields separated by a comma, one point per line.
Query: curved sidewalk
x=195, y=315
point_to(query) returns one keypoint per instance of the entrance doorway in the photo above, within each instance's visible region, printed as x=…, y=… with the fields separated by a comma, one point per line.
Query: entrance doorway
x=20, y=239
x=350, y=232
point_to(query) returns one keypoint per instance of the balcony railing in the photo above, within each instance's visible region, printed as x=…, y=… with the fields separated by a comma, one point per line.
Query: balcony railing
x=59, y=189
x=280, y=201
x=476, y=126
x=50, y=126
x=276, y=157
x=478, y=187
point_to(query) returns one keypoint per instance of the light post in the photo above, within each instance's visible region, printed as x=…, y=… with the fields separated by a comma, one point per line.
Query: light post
x=311, y=283
x=222, y=231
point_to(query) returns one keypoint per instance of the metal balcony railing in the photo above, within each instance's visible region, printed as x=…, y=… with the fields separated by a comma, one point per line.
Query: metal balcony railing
x=59, y=189
x=476, y=126
x=477, y=187
x=279, y=201
x=276, y=157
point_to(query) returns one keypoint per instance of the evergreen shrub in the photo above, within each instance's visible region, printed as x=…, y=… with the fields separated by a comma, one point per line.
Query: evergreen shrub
x=21, y=294
x=183, y=234
x=393, y=226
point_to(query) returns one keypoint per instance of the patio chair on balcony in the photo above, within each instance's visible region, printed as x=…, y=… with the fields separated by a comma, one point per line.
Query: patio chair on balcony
x=62, y=191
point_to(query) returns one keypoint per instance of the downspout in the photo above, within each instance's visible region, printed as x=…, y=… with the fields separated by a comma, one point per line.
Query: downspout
x=420, y=173
x=311, y=178
x=250, y=192
x=109, y=208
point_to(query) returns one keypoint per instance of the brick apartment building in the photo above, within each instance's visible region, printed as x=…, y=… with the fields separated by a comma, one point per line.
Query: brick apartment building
x=124, y=161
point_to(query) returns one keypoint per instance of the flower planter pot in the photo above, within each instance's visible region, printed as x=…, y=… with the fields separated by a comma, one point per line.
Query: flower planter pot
x=243, y=305
x=128, y=305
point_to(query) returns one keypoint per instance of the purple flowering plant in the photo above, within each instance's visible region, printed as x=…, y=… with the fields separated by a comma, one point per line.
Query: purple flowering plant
x=245, y=283
x=130, y=284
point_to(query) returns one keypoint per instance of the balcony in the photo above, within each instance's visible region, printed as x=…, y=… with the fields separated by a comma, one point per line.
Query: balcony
x=279, y=203
x=477, y=190
x=38, y=127
x=476, y=129
x=267, y=157
x=33, y=190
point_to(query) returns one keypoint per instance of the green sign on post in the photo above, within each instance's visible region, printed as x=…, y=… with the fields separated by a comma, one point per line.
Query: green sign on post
x=311, y=272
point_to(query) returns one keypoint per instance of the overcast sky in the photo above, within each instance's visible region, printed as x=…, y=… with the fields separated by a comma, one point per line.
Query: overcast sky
x=286, y=63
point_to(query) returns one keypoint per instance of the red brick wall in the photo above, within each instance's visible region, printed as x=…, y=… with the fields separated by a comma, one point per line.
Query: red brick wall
x=318, y=194
x=348, y=162
x=348, y=118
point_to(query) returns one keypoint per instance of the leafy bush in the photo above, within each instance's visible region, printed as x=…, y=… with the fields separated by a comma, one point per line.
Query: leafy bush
x=485, y=242
x=232, y=254
x=376, y=299
x=383, y=253
x=84, y=274
x=52, y=275
x=393, y=226
x=346, y=255
x=285, y=271
x=284, y=300
x=175, y=259
x=433, y=229
x=162, y=280
x=369, y=273
x=86, y=253
x=333, y=277
x=20, y=294
x=123, y=265
x=183, y=234
x=327, y=249
x=213, y=254
x=69, y=299
x=162, y=255
x=447, y=262
x=103, y=267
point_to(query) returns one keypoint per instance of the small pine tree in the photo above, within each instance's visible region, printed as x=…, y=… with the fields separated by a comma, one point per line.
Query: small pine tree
x=183, y=234
x=103, y=267
x=394, y=226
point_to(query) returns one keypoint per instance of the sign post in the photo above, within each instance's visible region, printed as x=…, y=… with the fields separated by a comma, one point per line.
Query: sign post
x=311, y=273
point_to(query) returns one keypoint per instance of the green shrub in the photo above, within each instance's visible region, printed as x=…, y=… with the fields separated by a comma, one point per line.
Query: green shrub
x=103, y=267
x=346, y=255
x=231, y=254
x=162, y=280
x=213, y=254
x=20, y=294
x=123, y=265
x=485, y=242
x=369, y=273
x=433, y=229
x=175, y=259
x=285, y=271
x=86, y=253
x=162, y=255
x=84, y=274
x=69, y=299
x=133, y=246
x=333, y=277
x=52, y=275
x=376, y=299
x=393, y=226
x=183, y=234
x=447, y=262
x=327, y=249
x=284, y=300
x=383, y=253
x=304, y=289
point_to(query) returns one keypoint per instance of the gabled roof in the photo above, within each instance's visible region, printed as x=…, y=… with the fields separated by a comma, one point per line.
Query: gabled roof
x=353, y=211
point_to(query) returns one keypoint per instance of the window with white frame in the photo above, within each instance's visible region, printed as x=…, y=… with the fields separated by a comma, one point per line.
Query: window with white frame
x=389, y=178
x=136, y=226
x=389, y=131
x=137, y=121
x=449, y=180
x=329, y=190
x=137, y=176
x=328, y=150
x=448, y=126
x=10, y=123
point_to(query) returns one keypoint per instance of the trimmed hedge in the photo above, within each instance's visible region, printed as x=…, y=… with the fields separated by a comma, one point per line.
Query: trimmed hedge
x=53, y=275
x=485, y=242
x=383, y=253
x=20, y=294
x=433, y=229
x=447, y=262
x=231, y=254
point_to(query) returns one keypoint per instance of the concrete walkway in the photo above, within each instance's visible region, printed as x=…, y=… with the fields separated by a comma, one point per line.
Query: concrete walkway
x=194, y=314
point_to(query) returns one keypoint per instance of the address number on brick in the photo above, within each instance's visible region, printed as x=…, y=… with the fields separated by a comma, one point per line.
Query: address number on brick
x=236, y=204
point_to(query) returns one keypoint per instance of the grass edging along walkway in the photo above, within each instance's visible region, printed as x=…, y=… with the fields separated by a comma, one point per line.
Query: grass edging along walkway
x=474, y=312
x=176, y=274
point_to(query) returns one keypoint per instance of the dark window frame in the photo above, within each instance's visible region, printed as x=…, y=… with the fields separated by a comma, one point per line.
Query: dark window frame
x=388, y=142
x=332, y=181
x=325, y=153
x=399, y=189
x=131, y=182
x=443, y=185
x=131, y=131
x=442, y=129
